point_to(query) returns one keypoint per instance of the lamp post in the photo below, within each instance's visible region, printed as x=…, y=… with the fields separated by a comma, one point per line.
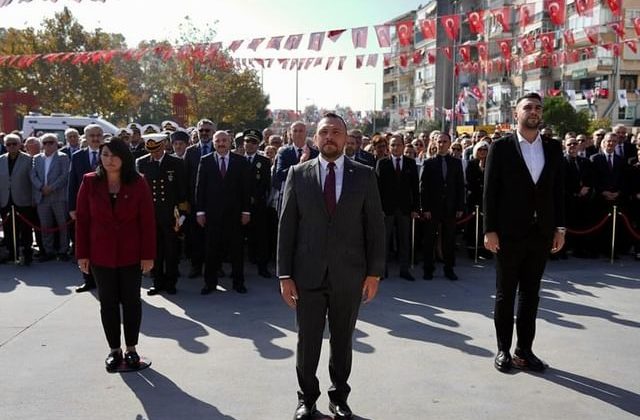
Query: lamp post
x=375, y=100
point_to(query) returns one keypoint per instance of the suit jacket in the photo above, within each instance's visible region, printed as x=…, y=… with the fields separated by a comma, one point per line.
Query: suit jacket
x=18, y=184
x=474, y=177
x=259, y=181
x=168, y=185
x=115, y=236
x=398, y=192
x=139, y=150
x=192, y=157
x=287, y=156
x=223, y=199
x=629, y=151
x=80, y=165
x=365, y=158
x=67, y=150
x=512, y=202
x=57, y=179
x=577, y=175
x=605, y=178
x=343, y=248
x=442, y=197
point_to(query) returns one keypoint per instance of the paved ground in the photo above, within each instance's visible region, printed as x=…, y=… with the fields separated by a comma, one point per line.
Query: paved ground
x=422, y=350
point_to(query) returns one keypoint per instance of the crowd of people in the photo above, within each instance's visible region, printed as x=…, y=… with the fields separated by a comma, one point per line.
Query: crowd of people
x=428, y=183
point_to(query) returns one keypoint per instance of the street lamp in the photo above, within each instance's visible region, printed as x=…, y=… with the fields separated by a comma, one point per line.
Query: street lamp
x=375, y=92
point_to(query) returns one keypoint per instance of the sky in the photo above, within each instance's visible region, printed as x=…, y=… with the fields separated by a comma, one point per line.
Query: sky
x=247, y=19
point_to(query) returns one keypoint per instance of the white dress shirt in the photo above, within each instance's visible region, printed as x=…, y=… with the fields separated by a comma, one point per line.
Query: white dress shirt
x=533, y=155
x=394, y=159
x=47, y=166
x=339, y=171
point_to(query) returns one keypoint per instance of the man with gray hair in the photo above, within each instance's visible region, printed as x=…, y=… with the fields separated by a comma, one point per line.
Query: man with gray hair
x=72, y=138
x=49, y=178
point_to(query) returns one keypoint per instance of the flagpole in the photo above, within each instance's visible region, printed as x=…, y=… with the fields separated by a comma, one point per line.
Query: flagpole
x=297, y=108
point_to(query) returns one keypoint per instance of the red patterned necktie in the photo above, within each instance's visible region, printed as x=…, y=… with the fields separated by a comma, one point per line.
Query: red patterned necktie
x=330, y=188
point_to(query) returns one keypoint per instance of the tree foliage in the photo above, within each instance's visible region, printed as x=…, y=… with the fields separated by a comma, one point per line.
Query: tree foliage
x=562, y=117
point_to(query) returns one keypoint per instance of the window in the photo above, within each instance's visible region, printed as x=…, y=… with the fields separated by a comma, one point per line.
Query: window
x=628, y=113
x=628, y=82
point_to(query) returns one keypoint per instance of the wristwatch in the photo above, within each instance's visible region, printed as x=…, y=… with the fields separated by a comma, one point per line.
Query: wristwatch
x=561, y=230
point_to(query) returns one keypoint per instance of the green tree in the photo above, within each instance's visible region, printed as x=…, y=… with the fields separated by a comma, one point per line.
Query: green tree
x=562, y=117
x=598, y=123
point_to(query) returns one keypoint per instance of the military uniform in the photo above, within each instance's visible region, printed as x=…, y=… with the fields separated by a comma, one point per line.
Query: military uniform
x=168, y=183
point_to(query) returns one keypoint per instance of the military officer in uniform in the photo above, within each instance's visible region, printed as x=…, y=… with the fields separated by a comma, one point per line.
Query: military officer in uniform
x=167, y=179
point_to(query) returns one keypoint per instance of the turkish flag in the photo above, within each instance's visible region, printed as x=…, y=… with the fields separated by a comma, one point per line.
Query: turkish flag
x=557, y=11
x=372, y=60
x=569, y=39
x=315, y=41
x=592, y=34
x=465, y=53
x=447, y=52
x=359, y=60
x=341, y=61
x=503, y=17
x=330, y=60
x=359, y=37
x=293, y=42
x=253, y=45
x=527, y=43
x=632, y=44
x=274, y=42
x=417, y=57
x=451, y=25
x=477, y=93
x=615, y=6
x=483, y=52
x=554, y=92
x=618, y=28
x=526, y=14
x=636, y=25
x=404, y=30
x=235, y=45
x=431, y=57
x=404, y=61
x=546, y=41
x=505, y=48
x=476, y=21
x=335, y=34
x=476, y=67
x=428, y=28
x=584, y=7
x=616, y=50
x=386, y=58
x=384, y=39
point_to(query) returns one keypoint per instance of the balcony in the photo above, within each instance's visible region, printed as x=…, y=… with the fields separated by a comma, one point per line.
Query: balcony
x=597, y=65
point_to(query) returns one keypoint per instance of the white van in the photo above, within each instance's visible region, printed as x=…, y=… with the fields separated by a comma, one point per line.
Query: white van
x=37, y=124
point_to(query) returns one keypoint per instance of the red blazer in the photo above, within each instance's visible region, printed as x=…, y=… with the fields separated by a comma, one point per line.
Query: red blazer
x=116, y=236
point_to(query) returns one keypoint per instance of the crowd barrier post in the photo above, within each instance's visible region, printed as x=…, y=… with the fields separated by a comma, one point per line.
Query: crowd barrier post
x=477, y=232
x=13, y=226
x=613, y=232
x=413, y=241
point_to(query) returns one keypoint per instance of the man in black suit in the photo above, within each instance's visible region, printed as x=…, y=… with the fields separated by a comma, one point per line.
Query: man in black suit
x=442, y=200
x=222, y=208
x=259, y=187
x=195, y=234
x=330, y=258
x=72, y=137
x=398, y=185
x=135, y=142
x=297, y=152
x=361, y=156
x=524, y=219
x=166, y=177
x=84, y=161
x=579, y=197
x=625, y=149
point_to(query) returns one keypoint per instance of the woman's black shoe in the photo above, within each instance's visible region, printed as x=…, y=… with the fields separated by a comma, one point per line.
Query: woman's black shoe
x=113, y=360
x=132, y=359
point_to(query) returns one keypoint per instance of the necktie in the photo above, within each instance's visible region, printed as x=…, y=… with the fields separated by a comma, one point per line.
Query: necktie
x=249, y=159
x=444, y=167
x=610, y=161
x=299, y=153
x=156, y=163
x=94, y=159
x=330, y=188
x=223, y=167
x=398, y=170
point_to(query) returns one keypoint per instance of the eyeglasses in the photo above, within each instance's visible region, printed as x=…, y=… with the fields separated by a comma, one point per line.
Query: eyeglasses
x=572, y=144
x=457, y=149
x=11, y=144
x=204, y=130
x=599, y=135
x=45, y=143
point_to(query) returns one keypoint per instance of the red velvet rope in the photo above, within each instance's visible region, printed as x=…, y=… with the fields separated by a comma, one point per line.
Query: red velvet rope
x=465, y=219
x=43, y=229
x=592, y=229
x=627, y=223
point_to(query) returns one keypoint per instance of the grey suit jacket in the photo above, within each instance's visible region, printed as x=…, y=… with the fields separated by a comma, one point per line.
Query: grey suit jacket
x=18, y=185
x=57, y=179
x=345, y=247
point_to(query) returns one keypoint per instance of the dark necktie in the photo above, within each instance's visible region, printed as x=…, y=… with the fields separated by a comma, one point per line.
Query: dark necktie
x=156, y=163
x=94, y=159
x=330, y=188
x=299, y=153
x=223, y=167
x=444, y=167
x=398, y=170
x=249, y=159
x=610, y=157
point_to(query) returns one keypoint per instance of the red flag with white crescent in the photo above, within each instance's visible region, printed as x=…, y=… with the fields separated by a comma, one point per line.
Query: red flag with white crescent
x=447, y=52
x=557, y=11
x=527, y=43
x=316, y=40
x=274, y=42
x=546, y=41
x=636, y=25
x=293, y=42
x=431, y=57
x=372, y=60
x=616, y=50
x=359, y=37
x=615, y=6
x=428, y=28
x=584, y=7
x=335, y=34
x=465, y=53
x=451, y=25
x=341, y=61
x=404, y=60
x=386, y=59
x=632, y=44
x=235, y=45
x=417, y=57
x=525, y=14
x=505, y=48
x=503, y=17
x=476, y=21
x=253, y=45
x=592, y=34
x=329, y=62
x=483, y=52
x=569, y=39
x=359, y=60
x=384, y=38
x=404, y=31
x=618, y=28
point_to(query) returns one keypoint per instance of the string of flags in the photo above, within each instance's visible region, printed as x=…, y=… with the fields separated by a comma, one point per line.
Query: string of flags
x=4, y=3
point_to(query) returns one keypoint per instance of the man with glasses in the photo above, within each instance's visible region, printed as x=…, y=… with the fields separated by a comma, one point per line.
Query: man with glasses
x=16, y=193
x=49, y=178
x=195, y=234
x=84, y=161
x=578, y=196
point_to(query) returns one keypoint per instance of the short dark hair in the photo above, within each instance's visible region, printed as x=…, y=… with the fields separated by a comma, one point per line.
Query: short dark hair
x=335, y=116
x=119, y=148
x=530, y=95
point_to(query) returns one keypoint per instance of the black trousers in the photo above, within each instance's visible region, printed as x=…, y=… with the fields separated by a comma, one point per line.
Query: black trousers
x=257, y=233
x=23, y=234
x=223, y=240
x=165, y=266
x=448, y=232
x=400, y=224
x=314, y=308
x=195, y=236
x=519, y=267
x=119, y=287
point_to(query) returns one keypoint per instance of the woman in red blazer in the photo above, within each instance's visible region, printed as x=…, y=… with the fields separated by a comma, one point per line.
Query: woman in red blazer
x=116, y=240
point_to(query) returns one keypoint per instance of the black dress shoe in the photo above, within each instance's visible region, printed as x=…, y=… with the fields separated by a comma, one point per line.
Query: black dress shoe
x=207, y=290
x=172, y=290
x=113, y=360
x=407, y=276
x=450, y=275
x=526, y=360
x=153, y=291
x=303, y=412
x=132, y=359
x=340, y=410
x=428, y=275
x=503, y=361
x=240, y=289
x=85, y=287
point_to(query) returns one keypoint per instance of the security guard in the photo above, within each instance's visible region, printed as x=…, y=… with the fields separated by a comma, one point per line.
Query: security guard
x=257, y=231
x=167, y=178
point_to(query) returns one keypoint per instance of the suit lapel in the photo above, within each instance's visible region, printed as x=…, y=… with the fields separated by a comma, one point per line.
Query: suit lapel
x=547, y=162
x=520, y=158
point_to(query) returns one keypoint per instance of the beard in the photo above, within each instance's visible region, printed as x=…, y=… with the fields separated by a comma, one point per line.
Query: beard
x=330, y=151
x=531, y=123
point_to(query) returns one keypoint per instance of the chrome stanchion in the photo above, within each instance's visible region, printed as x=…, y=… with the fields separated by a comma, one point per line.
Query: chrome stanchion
x=613, y=232
x=477, y=232
x=13, y=226
x=413, y=241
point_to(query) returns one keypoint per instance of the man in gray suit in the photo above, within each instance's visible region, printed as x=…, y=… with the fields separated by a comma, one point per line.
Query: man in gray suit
x=49, y=177
x=330, y=258
x=15, y=191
